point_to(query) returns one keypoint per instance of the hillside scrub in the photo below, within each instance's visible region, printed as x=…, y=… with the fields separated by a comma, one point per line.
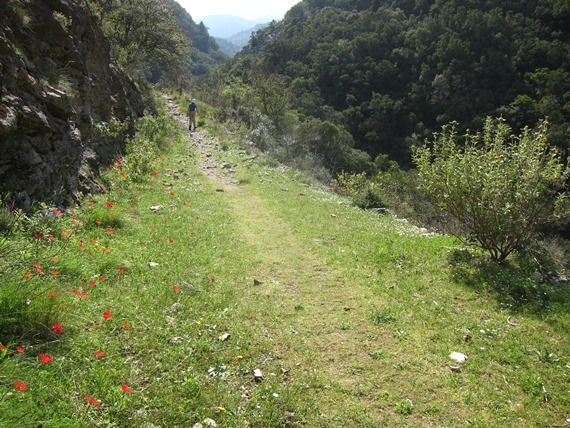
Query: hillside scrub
x=498, y=186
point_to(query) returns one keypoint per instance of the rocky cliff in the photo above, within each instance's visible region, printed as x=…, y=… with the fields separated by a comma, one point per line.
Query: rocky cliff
x=57, y=83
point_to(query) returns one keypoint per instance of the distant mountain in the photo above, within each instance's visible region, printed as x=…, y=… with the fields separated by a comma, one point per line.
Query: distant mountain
x=225, y=26
x=234, y=44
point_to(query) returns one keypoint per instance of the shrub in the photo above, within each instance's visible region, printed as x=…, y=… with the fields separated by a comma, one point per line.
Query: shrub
x=498, y=186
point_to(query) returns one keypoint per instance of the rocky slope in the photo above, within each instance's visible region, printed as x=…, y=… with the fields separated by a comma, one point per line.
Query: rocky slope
x=57, y=83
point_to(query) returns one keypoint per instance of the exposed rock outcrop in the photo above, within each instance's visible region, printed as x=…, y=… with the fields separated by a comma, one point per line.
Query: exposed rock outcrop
x=57, y=82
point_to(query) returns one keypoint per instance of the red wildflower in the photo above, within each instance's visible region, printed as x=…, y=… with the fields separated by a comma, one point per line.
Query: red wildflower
x=121, y=269
x=171, y=240
x=92, y=401
x=185, y=204
x=57, y=212
x=90, y=204
x=45, y=358
x=126, y=325
x=171, y=193
x=64, y=233
x=197, y=217
x=52, y=294
x=37, y=236
x=122, y=174
x=51, y=238
x=54, y=259
x=39, y=268
x=102, y=278
x=92, y=242
x=92, y=283
x=2, y=346
x=107, y=315
x=99, y=354
x=57, y=328
x=176, y=288
x=74, y=220
x=98, y=222
x=19, y=385
x=80, y=293
x=20, y=349
x=28, y=275
x=105, y=250
x=109, y=204
x=212, y=280
x=82, y=244
x=54, y=272
x=104, y=190
x=126, y=388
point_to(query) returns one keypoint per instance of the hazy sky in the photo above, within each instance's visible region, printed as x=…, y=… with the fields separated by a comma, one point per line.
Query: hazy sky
x=249, y=9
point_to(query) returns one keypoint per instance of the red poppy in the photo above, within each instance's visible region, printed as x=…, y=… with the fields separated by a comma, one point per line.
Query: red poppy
x=102, y=278
x=2, y=346
x=92, y=401
x=176, y=288
x=20, y=349
x=126, y=388
x=57, y=328
x=105, y=250
x=54, y=259
x=197, y=217
x=107, y=315
x=104, y=190
x=37, y=236
x=28, y=275
x=52, y=294
x=171, y=193
x=109, y=204
x=64, y=233
x=80, y=293
x=99, y=354
x=92, y=242
x=39, y=269
x=98, y=222
x=171, y=240
x=82, y=244
x=212, y=280
x=92, y=283
x=57, y=212
x=51, y=238
x=185, y=204
x=121, y=269
x=19, y=385
x=54, y=272
x=45, y=358
x=90, y=204
x=126, y=325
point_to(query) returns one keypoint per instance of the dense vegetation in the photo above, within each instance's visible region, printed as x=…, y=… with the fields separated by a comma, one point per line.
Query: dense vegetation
x=393, y=72
x=157, y=39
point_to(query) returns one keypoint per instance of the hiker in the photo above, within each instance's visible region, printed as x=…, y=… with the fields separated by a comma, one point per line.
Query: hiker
x=192, y=110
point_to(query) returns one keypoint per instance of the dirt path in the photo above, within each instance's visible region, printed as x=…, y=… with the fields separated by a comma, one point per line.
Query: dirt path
x=300, y=299
x=220, y=173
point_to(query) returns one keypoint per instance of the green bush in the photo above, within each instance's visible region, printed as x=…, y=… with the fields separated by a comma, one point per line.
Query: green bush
x=498, y=186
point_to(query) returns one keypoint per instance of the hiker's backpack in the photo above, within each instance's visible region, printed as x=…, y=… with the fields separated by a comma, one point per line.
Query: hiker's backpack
x=192, y=107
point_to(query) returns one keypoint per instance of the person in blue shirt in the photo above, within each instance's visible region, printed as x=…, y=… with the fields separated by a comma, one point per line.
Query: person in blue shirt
x=192, y=110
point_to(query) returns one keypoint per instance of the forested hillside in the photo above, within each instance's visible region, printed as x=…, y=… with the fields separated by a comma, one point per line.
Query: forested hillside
x=392, y=72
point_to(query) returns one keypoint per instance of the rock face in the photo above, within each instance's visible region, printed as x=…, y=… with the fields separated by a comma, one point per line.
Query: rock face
x=57, y=83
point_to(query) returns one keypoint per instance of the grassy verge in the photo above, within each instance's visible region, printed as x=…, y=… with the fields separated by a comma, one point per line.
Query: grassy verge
x=170, y=296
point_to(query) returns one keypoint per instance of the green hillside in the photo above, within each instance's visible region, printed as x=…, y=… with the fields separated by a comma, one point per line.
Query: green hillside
x=393, y=72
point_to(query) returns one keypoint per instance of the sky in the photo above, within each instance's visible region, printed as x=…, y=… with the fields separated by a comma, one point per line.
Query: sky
x=248, y=9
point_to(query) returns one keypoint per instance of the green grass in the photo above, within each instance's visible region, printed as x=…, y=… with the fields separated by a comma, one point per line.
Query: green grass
x=350, y=316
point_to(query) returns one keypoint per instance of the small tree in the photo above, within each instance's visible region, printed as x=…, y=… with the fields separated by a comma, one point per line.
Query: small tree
x=498, y=186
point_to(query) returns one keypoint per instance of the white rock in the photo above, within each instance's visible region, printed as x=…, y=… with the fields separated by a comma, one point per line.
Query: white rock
x=458, y=357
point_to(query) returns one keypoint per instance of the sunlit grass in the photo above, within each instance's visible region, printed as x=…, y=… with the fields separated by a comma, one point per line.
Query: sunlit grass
x=171, y=295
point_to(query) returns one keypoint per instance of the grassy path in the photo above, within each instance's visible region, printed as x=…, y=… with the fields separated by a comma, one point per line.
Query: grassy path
x=225, y=289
